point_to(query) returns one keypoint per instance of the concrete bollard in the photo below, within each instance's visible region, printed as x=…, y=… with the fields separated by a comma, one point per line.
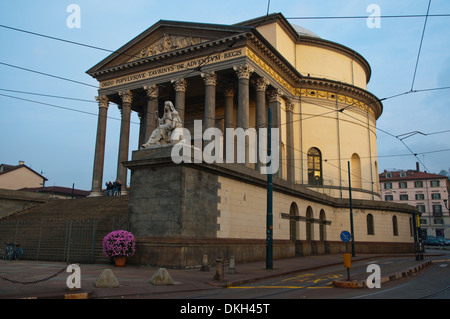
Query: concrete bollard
x=219, y=270
x=204, y=266
x=231, y=266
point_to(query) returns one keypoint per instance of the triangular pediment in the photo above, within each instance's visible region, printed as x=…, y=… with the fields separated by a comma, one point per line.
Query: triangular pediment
x=166, y=44
x=165, y=37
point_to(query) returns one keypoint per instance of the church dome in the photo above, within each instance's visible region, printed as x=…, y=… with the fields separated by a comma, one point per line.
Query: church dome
x=304, y=32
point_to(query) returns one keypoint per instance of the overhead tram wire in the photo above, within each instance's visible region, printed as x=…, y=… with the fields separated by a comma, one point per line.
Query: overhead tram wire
x=341, y=110
x=60, y=107
x=49, y=95
x=67, y=41
x=365, y=17
x=420, y=46
x=47, y=74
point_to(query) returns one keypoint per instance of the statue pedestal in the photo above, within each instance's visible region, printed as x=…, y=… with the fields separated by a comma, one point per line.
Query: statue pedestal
x=174, y=211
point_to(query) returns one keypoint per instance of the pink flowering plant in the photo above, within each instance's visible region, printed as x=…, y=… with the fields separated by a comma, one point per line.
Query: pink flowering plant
x=119, y=243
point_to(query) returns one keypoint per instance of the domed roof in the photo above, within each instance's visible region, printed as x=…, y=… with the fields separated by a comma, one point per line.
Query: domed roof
x=304, y=32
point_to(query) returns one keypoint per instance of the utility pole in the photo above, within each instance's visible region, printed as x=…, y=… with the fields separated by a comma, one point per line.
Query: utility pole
x=351, y=209
x=269, y=217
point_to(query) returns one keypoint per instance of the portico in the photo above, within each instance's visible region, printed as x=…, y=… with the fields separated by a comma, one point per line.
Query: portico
x=222, y=86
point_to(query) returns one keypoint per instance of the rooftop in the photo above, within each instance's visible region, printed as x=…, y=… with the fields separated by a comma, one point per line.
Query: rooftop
x=408, y=175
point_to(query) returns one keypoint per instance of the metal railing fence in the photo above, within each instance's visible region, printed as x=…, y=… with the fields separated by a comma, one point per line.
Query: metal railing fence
x=67, y=240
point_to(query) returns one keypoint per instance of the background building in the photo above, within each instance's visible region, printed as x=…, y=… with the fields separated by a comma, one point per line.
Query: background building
x=20, y=176
x=428, y=192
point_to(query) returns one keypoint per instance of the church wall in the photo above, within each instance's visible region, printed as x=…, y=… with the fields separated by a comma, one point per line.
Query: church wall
x=325, y=63
x=243, y=207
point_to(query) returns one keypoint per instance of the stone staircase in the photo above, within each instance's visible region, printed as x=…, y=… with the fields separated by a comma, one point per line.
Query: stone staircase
x=51, y=230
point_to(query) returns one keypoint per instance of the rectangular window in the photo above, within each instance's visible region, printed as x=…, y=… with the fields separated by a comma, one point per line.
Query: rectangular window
x=438, y=221
x=434, y=183
x=435, y=196
x=420, y=196
x=403, y=197
x=389, y=197
x=423, y=221
x=437, y=210
x=402, y=184
x=387, y=185
x=421, y=208
x=418, y=184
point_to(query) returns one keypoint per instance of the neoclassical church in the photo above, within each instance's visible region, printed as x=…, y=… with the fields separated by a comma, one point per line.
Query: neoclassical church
x=229, y=76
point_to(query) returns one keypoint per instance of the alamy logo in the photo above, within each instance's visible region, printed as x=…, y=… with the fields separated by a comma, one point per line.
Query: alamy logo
x=247, y=148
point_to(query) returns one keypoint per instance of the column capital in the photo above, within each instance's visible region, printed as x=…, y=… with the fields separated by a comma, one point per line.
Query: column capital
x=229, y=92
x=180, y=85
x=243, y=71
x=126, y=96
x=289, y=105
x=103, y=101
x=261, y=84
x=275, y=96
x=151, y=90
x=210, y=78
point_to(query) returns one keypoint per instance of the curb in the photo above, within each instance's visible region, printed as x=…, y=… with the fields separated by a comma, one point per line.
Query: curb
x=398, y=275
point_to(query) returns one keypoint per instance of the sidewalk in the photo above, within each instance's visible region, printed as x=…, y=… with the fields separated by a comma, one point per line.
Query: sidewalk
x=134, y=280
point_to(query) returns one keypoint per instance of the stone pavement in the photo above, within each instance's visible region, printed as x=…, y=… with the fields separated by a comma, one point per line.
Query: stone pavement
x=48, y=280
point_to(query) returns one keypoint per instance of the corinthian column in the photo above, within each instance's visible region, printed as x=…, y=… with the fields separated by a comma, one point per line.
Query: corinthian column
x=275, y=105
x=152, y=108
x=244, y=72
x=127, y=98
x=229, y=115
x=99, y=157
x=210, y=80
x=261, y=112
x=290, y=141
x=180, y=97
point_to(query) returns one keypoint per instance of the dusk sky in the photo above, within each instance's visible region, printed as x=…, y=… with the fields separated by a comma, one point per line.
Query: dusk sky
x=56, y=136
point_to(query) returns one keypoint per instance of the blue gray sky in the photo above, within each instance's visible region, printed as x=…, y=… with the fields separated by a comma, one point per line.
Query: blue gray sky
x=59, y=143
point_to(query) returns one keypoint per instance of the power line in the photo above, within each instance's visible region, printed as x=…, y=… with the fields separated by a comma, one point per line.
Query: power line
x=61, y=107
x=365, y=17
x=67, y=41
x=49, y=95
x=420, y=46
x=47, y=74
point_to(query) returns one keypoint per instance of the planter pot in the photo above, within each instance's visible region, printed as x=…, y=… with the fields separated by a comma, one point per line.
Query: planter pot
x=120, y=261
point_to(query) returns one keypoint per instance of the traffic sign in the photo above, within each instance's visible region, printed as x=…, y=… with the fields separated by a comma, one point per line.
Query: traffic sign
x=346, y=236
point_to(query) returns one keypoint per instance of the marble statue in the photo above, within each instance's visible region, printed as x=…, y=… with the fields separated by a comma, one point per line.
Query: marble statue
x=169, y=130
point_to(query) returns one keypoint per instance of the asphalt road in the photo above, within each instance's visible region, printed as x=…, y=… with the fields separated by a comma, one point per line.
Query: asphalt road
x=433, y=282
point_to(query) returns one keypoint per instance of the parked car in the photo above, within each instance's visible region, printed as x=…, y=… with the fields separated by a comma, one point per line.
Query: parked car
x=436, y=241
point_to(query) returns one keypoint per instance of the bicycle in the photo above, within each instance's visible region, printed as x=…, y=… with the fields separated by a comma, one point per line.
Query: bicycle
x=18, y=252
x=9, y=251
x=12, y=252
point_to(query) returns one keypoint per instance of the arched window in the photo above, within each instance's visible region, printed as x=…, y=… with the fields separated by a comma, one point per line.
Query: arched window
x=356, y=171
x=322, y=229
x=411, y=230
x=309, y=224
x=370, y=225
x=395, y=225
x=293, y=213
x=377, y=181
x=314, y=167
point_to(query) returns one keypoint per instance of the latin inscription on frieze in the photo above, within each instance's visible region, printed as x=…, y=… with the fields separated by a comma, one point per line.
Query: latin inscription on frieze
x=190, y=64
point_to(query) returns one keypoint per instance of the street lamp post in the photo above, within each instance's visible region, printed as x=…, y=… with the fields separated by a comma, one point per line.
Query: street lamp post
x=351, y=210
x=269, y=217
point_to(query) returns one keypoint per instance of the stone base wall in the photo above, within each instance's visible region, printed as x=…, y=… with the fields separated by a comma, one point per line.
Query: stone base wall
x=13, y=201
x=180, y=212
x=187, y=253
